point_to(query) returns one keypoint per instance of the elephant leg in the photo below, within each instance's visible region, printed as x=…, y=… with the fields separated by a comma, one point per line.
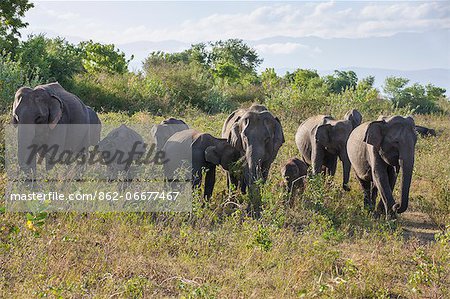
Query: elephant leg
x=373, y=195
x=196, y=178
x=381, y=181
x=210, y=180
x=367, y=194
x=317, y=157
x=331, y=164
x=392, y=173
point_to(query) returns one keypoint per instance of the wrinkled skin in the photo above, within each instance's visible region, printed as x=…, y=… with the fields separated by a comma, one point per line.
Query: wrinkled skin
x=294, y=173
x=258, y=135
x=162, y=132
x=49, y=106
x=425, y=132
x=205, y=153
x=322, y=140
x=121, y=140
x=377, y=151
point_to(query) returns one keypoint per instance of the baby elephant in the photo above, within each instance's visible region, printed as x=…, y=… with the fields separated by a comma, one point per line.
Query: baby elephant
x=119, y=149
x=203, y=152
x=294, y=175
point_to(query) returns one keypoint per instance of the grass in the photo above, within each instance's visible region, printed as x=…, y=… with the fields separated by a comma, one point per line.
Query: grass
x=326, y=246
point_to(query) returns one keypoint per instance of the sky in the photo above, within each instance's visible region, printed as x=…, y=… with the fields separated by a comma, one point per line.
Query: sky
x=407, y=35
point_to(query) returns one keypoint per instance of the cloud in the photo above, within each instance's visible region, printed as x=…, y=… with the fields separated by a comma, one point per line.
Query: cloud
x=325, y=19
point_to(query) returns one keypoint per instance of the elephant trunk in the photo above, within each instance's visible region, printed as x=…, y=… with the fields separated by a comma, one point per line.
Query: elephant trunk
x=407, y=166
x=254, y=158
x=346, y=166
x=26, y=157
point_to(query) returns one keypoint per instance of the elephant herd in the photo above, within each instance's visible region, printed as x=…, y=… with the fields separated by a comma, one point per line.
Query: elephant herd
x=250, y=141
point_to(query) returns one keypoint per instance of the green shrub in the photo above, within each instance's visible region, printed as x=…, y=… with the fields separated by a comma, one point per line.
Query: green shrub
x=12, y=76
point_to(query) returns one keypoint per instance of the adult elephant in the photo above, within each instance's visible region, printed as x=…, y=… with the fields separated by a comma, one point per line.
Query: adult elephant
x=258, y=135
x=203, y=151
x=42, y=114
x=321, y=140
x=377, y=151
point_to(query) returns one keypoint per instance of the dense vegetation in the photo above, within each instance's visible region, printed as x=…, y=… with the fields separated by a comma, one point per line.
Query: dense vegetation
x=326, y=246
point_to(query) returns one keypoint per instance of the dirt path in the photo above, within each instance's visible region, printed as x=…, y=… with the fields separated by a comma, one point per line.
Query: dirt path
x=418, y=225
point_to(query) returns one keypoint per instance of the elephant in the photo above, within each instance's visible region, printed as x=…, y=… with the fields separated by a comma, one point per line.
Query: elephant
x=354, y=116
x=258, y=135
x=204, y=151
x=162, y=132
x=425, y=132
x=119, y=149
x=42, y=114
x=95, y=127
x=294, y=173
x=377, y=151
x=321, y=140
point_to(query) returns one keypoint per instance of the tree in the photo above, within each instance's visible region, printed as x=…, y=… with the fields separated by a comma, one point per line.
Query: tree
x=232, y=54
x=50, y=59
x=421, y=98
x=11, y=14
x=103, y=58
x=230, y=61
x=341, y=80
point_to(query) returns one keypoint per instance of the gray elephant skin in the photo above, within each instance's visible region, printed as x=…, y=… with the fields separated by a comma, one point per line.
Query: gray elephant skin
x=294, y=173
x=204, y=151
x=321, y=140
x=120, y=149
x=258, y=135
x=377, y=151
x=162, y=132
x=51, y=106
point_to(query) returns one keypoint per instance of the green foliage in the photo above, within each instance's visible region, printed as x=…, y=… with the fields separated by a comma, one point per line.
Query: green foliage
x=100, y=58
x=341, y=80
x=423, y=99
x=229, y=62
x=11, y=14
x=12, y=76
x=51, y=59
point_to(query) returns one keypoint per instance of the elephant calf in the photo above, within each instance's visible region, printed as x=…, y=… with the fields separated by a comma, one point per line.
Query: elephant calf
x=119, y=149
x=294, y=174
x=204, y=151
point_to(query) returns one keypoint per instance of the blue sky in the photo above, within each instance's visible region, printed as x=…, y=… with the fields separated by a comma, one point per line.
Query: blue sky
x=279, y=31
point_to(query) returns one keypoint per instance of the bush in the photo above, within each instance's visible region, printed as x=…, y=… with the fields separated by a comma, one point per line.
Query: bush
x=12, y=77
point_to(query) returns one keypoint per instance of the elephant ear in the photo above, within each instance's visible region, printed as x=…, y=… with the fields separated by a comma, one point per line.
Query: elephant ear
x=355, y=117
x=55, y=111
x=323, y=134
x=235, y=137
x=374, y=133
x=279, y=136
x=211, y=155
